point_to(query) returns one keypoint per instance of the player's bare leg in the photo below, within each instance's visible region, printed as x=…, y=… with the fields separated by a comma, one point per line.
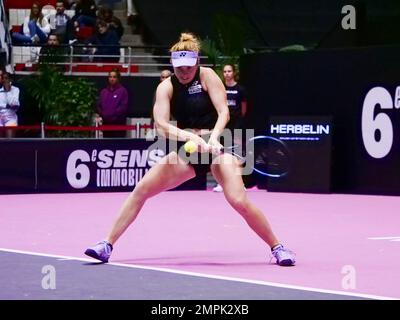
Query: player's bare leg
x=170, y=172
x=227, y=174
x=226, y=170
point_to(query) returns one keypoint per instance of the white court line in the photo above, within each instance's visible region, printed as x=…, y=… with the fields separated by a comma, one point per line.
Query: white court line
x=203, y=275
x=395, y=238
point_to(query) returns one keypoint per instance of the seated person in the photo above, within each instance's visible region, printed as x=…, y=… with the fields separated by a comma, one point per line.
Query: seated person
x=85, y=13
x=106, y=43
x=52, y=52
x=35, y=28
x=106, y=14
x=59, y=21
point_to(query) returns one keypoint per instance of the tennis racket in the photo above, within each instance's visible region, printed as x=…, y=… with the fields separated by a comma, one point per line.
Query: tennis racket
x=270, y=156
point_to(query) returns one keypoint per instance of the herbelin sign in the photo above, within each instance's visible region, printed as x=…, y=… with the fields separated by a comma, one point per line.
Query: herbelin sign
x=308, y=138
x=309, y=129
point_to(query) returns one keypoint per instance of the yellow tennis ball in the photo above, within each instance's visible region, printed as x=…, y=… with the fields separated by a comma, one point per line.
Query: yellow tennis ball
x=190, y=147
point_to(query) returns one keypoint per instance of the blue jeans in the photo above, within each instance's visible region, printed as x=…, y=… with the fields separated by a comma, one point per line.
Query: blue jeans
x=33, y=30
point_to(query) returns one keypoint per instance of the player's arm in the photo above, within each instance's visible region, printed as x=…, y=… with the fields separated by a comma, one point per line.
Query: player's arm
x=217, y=93
x=161, y=114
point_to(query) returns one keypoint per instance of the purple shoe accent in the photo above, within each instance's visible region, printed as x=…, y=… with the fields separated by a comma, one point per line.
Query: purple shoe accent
x=101, y=251
x=283, y=256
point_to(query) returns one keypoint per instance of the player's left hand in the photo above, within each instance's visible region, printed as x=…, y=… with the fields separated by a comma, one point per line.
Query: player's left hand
x=215, y=146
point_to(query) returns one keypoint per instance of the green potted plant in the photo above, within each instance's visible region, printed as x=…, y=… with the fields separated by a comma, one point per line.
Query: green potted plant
x=228, y=43
x=62, y=100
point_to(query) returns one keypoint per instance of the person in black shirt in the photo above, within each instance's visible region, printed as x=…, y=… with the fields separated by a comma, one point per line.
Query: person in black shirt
x=107, y=14
x=53, y=53
x=195, y=96
x=236, y=97
x=107, y=42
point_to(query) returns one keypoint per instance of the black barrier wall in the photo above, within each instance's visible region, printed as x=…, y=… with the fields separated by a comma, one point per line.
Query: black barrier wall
x=358, y=88
x=82, y=165
x=275, y=23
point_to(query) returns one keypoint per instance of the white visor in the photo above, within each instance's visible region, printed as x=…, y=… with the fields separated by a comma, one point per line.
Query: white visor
x=184, y=58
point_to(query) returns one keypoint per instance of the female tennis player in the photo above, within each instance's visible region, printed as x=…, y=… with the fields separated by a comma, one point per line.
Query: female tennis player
x=196, y=98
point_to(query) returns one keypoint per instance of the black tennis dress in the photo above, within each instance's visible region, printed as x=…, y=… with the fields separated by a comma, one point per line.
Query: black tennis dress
x=192, y=108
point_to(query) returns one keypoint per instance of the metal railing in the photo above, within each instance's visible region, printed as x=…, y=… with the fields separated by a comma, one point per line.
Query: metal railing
x=140, y=129
x=130, y=60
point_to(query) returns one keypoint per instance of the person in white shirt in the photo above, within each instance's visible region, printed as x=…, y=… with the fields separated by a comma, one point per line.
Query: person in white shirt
x=9, y=103
x=36, y=27
x=59, y=21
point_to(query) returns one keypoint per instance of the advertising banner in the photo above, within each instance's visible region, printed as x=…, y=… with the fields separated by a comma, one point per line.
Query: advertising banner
x=84, y=165
x=308, y=141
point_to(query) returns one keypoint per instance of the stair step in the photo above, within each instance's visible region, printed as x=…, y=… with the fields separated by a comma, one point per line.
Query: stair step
x=132, y=38
x=120, y=14
x=121, y=5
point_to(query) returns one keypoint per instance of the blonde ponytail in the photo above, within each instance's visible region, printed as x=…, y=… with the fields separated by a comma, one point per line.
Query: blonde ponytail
x=187, y=42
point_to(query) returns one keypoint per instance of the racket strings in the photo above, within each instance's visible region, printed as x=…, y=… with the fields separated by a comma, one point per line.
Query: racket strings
x=272, y=158
x=269, y=156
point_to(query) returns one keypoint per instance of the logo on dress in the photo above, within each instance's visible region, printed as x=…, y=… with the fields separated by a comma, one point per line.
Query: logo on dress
x=232, y=92
x=195, y=87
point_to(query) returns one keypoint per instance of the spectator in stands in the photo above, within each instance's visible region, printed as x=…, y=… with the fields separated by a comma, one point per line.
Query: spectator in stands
x=106, y=43
x=59, y=21
x=236, y=102
x=112, y=106
x=35, y=29
x=106, y=13
x=85, y=14
x=9, y=104
x=52, y=52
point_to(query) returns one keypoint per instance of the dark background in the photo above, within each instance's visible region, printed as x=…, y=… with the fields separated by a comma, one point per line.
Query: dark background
x=275, y=23
x=330, y=82
x=39, y=165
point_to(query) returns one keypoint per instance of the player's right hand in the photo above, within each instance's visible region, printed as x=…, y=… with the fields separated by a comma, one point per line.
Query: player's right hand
x=203, y=146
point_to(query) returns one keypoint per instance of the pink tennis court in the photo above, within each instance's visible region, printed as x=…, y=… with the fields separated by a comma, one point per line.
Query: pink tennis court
x=347, y=247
